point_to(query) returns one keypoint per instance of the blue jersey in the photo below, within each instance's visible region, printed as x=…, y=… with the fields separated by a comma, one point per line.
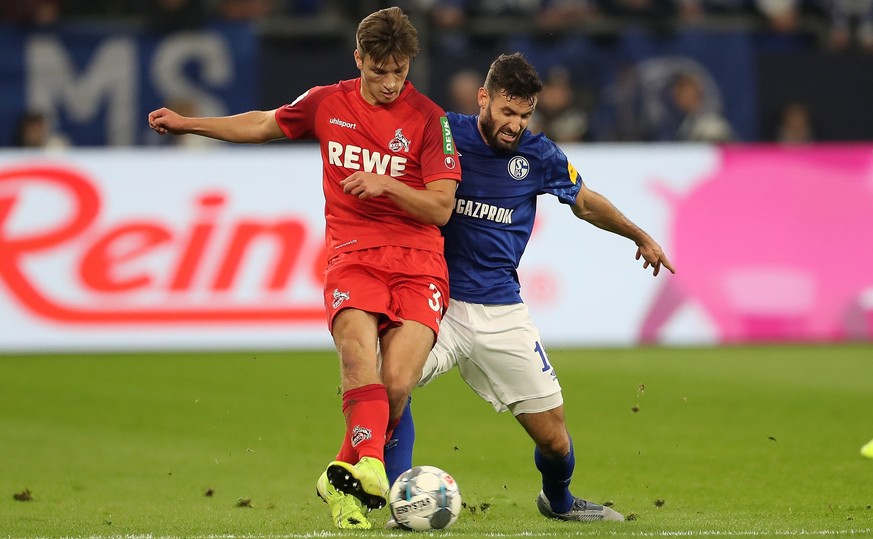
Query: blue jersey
x=495, y=207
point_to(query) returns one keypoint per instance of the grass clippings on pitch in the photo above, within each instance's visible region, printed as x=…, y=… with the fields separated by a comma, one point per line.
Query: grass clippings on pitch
x=745, y=441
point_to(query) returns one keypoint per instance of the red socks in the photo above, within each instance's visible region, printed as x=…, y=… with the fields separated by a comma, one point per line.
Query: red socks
x=366, y=412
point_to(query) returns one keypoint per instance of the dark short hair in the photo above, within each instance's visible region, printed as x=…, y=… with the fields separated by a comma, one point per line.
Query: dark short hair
x=387, y=34
x=513, y=75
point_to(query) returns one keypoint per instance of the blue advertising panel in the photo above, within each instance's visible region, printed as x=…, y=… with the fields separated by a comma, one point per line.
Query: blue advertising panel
x=98, y=83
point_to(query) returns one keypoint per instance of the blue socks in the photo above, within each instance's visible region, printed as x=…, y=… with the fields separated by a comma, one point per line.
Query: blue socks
x=557, y=474
x=398, y=450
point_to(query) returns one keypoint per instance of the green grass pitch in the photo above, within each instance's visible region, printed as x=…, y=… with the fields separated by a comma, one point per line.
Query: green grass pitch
x=734, y=441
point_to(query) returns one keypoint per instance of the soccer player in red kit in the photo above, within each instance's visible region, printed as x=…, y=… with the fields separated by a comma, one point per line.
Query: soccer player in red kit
x=390, y=173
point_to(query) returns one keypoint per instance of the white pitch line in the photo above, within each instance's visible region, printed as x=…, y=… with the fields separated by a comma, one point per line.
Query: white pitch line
x=580, y=533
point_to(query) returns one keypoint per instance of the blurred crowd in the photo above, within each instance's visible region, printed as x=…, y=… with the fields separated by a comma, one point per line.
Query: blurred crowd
x=690, y=105
x=847, y=23
x=160, y=14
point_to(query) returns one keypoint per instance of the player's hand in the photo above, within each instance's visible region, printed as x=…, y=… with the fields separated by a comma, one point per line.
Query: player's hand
x=164, y=120
x=654, y=256
x=365, y=184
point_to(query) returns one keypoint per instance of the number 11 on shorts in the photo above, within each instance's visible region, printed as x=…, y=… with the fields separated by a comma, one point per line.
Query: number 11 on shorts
x=545, y=359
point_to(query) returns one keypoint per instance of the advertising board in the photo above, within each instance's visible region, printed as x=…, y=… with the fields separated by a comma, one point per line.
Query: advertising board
x=223, y=247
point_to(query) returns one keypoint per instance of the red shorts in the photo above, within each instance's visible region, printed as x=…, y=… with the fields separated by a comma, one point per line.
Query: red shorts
x=396, y=283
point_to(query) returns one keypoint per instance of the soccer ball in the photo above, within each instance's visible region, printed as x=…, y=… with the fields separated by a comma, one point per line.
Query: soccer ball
x=425, y=498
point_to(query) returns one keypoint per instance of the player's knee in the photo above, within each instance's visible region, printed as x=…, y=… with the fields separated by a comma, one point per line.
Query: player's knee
x=398, y=389
x=554, y=442
x=548, y=430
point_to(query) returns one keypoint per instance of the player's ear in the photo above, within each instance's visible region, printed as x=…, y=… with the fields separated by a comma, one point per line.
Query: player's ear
x=482, y=98
x=358, y=60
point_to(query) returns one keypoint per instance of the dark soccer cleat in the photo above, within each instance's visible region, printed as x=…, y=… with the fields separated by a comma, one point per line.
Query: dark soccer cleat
x=581, y=510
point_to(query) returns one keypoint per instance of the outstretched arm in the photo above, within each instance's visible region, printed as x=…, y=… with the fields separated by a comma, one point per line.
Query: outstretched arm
x=600, y=212
x=256, y=126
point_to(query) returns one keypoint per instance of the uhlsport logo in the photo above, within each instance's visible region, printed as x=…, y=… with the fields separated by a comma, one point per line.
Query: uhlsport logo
x=343, y=123
x=518, y=167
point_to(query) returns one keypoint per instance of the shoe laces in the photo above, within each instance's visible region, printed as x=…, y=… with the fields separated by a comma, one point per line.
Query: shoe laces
x=583, y=505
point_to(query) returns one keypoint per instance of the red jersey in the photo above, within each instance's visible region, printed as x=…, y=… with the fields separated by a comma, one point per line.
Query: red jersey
x=408, y=139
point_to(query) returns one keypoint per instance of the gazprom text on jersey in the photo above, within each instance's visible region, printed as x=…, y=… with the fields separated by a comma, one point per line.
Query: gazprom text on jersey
x=481, y=210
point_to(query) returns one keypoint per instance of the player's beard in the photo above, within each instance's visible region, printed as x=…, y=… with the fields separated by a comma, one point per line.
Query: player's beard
x=490, y=131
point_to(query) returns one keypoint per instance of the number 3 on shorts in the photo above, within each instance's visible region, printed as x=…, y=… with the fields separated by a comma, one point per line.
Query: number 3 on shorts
x=434, y=302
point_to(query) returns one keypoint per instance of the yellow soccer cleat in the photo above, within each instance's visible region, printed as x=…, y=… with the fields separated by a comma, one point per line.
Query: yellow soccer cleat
x=366, y=480
x=867, y=450
x=346, y=511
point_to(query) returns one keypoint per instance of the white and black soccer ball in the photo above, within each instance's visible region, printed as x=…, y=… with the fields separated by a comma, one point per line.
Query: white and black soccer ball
x=425, y=498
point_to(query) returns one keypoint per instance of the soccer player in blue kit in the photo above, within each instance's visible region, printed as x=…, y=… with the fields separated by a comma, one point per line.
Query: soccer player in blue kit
x=487, y=331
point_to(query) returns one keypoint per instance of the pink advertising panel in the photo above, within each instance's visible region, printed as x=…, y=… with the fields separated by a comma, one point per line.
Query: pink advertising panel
x=776, y=244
